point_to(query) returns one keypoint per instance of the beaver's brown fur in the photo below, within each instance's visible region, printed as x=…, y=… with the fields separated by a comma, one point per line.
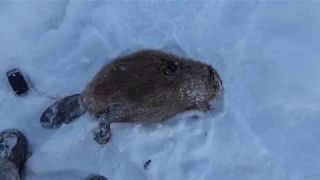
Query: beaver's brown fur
x=150, y=86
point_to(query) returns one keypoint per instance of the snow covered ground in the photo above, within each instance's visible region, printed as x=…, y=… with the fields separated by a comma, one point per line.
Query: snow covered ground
x=266, y=51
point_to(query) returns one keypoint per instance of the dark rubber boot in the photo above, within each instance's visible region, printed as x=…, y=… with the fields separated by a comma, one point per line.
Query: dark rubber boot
x=13, y=147
x=97, y=178
x=8, y=171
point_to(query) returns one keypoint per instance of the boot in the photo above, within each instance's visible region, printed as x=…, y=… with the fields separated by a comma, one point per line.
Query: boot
x=13, y=152
x=97, y=178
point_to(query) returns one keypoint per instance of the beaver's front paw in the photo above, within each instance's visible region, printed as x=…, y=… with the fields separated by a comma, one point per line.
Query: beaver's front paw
x=103, y=135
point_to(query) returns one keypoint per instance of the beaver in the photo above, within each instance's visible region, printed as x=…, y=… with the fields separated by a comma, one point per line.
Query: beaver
x=148, y=86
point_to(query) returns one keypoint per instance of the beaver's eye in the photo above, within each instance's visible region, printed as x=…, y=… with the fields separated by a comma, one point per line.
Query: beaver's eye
x=169, y=67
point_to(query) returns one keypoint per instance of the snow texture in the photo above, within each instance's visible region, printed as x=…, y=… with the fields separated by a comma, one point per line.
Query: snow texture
x=267, y=53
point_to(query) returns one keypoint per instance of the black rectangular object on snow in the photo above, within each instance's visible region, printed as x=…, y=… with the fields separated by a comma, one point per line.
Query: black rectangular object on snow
x=17, y=81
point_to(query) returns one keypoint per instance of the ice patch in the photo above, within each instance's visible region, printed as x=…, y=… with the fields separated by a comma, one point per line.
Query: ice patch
x=85, y=60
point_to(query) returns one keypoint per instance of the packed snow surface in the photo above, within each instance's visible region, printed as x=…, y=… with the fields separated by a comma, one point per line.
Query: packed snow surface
x=267, y=53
